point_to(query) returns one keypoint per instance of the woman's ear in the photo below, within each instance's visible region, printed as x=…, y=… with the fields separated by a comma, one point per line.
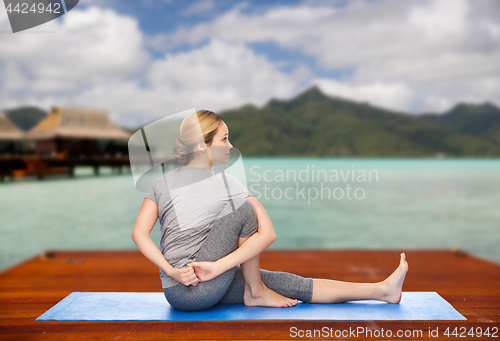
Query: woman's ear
x=202, y=147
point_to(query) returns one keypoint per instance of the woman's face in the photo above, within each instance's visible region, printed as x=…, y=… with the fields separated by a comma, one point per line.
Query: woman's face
x=220, y=146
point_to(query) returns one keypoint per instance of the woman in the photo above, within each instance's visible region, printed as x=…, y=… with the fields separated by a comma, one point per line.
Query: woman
x=213, y=231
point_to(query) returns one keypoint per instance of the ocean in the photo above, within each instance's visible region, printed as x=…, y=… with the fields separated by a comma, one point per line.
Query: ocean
x=314, y=203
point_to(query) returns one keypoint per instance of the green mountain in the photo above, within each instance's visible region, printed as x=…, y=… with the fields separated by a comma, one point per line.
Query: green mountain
x=25, y=118
x=479, y=120
x=313, y=124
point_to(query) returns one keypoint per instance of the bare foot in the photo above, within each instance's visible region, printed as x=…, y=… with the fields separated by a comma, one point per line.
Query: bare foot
x=394, y=283
x=267, y=298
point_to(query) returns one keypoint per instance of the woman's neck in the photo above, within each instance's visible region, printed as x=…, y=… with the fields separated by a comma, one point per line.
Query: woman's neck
x=193, y=163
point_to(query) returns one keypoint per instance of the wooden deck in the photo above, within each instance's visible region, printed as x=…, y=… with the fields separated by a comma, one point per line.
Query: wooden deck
x=470, y=284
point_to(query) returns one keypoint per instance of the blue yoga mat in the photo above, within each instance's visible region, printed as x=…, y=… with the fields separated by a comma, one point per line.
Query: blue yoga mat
x=152, y=306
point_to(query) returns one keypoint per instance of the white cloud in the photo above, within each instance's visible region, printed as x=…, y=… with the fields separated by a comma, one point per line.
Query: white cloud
x=99, y=68
x=216, y=76
x=87, y=47
x=422, y=56
x=388, y=95
x=200, y=7
x=97, y=59
x=220, y=65
x=425, y=46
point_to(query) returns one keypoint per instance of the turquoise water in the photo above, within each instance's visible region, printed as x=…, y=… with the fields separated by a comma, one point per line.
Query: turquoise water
x=407, y=203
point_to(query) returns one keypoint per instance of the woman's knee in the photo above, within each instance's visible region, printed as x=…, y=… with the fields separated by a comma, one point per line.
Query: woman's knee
x=221, y=240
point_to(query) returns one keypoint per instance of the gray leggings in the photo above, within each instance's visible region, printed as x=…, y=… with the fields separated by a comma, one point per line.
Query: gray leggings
x=229, y=286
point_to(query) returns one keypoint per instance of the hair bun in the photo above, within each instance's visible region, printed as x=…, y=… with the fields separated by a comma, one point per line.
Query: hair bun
x=180, y=151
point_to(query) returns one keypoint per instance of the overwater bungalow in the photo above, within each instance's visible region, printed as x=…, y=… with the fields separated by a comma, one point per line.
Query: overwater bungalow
x=64, y=139
x=76, y=132
x=11, y=138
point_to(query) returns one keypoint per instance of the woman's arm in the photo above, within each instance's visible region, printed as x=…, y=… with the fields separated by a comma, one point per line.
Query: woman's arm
x=144, y=224
x=254, y=245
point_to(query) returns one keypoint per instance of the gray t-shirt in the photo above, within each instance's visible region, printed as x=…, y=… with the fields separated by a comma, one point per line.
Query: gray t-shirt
x=189, y=200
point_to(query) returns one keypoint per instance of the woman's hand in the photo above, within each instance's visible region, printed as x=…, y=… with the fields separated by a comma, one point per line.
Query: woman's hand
x=205, y=271
x=184, y=276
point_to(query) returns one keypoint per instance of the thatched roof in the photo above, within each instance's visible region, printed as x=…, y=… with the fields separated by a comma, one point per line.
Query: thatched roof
x=8, y=130
x=77, y=123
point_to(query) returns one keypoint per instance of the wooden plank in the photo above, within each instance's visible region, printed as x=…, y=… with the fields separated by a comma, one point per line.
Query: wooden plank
x=29, y=289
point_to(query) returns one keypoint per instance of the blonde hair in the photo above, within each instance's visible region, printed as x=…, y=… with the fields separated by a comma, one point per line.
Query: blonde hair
x=188, y=137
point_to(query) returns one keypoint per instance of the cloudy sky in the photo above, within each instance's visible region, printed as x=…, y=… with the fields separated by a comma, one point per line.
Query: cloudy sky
x=145, y=59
